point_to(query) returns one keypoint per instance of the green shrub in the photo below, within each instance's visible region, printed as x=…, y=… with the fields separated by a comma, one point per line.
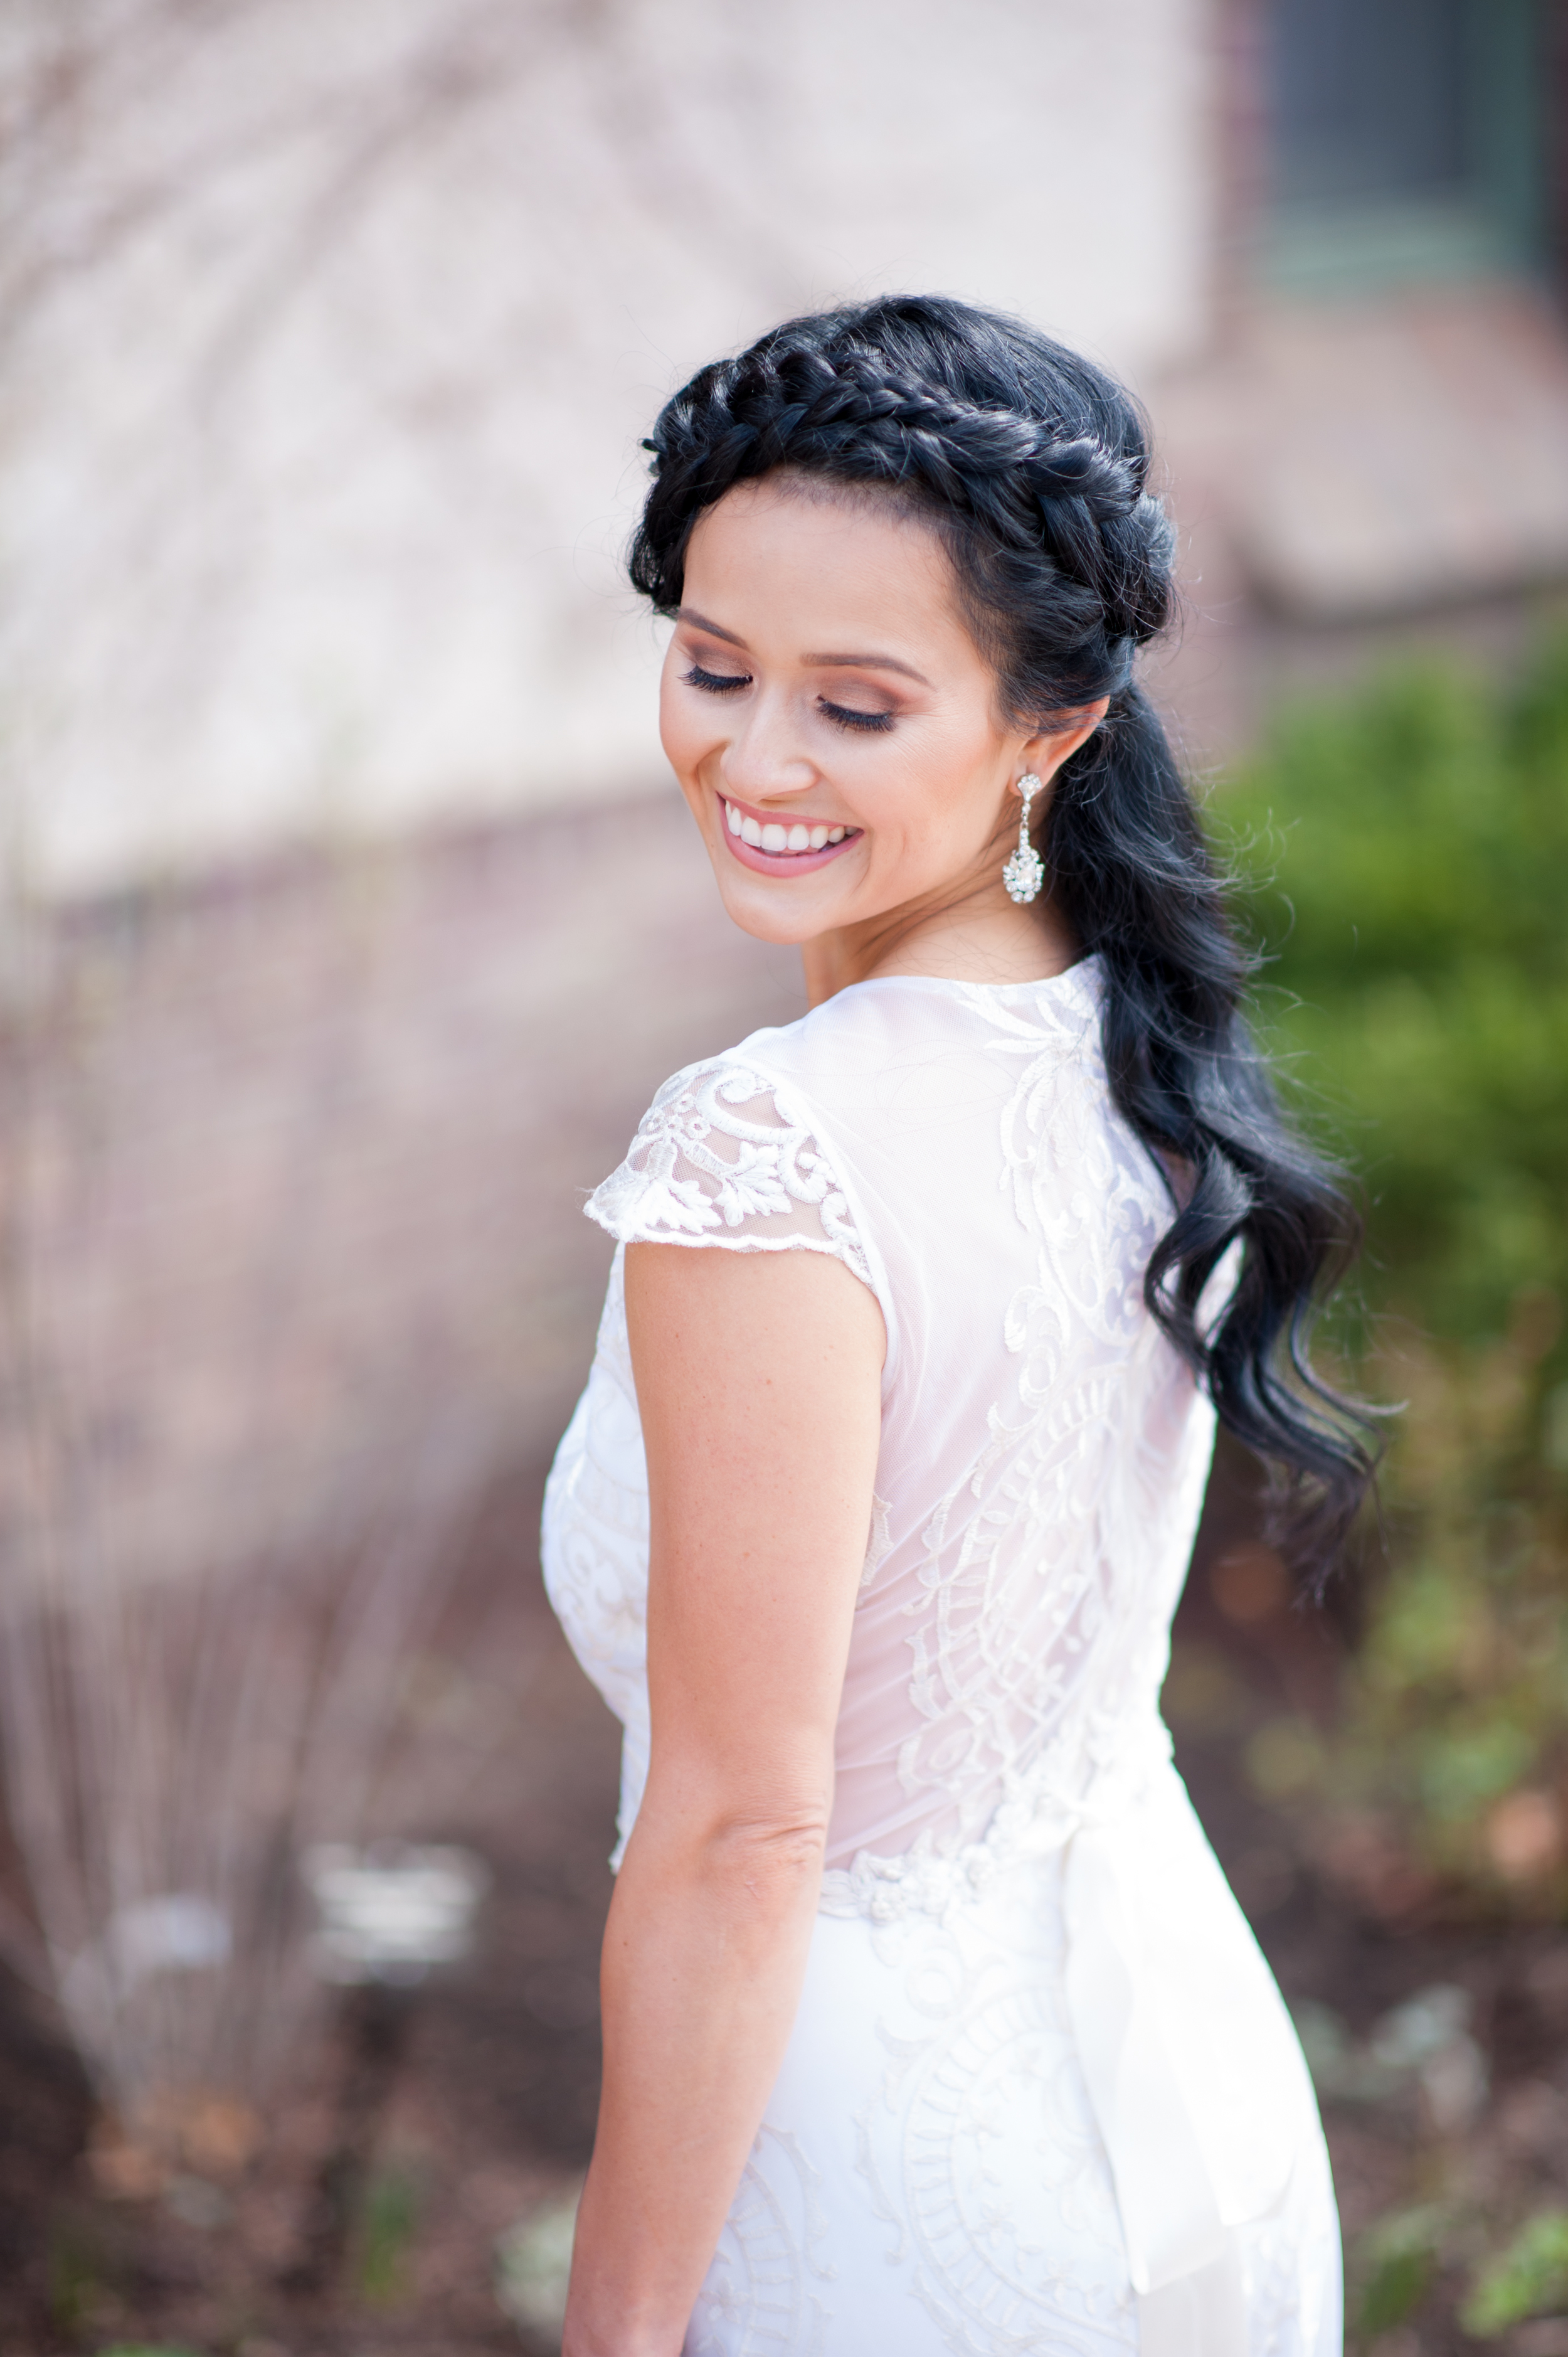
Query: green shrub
x=1529, y=2278
x=1408, y=855
x=1407, y=852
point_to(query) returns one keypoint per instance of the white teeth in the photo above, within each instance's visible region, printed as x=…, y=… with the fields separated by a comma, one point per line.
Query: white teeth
x=776, y=838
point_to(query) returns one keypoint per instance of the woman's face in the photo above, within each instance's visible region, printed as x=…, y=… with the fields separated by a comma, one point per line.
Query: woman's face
x=831, y=721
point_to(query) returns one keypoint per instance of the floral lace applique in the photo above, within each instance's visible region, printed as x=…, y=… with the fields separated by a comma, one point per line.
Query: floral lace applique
x=878, y=1543
x=768, y=2288
x=1020, y=1655
x=717, y=1159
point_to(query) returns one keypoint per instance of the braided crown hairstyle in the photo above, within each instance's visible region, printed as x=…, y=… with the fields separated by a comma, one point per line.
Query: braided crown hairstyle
x=1031, y=465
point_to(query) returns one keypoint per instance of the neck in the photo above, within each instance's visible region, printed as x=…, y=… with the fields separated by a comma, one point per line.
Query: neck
x=983, y=936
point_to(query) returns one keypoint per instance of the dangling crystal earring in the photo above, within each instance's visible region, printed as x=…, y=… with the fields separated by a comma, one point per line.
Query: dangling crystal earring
x=1024, y=870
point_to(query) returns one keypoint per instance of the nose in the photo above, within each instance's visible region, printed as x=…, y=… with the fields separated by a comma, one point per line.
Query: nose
x=763, y=758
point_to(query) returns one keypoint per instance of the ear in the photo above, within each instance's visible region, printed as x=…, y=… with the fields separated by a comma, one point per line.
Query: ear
x=1046, y=752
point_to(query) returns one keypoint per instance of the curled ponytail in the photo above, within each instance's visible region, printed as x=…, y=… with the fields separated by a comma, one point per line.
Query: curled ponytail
x=1125, y=849
x=1032, y=465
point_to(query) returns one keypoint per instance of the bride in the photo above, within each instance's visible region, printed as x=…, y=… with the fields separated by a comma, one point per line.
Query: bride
x=930, y=2022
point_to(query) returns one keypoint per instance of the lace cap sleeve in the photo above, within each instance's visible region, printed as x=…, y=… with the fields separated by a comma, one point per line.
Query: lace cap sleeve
x=721, y=1157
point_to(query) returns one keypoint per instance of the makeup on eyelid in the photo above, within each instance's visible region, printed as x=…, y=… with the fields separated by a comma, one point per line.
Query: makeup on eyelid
x=846, y=716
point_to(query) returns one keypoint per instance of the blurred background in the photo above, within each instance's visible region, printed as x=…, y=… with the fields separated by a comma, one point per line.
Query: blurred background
x=349, y=919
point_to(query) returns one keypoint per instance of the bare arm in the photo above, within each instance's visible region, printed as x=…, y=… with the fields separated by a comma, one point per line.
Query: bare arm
x=758, y=1381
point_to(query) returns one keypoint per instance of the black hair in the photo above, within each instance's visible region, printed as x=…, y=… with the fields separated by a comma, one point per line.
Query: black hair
x=1033, y=466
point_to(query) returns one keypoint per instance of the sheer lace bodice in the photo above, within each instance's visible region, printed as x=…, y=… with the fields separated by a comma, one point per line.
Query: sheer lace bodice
x=1043, y=1451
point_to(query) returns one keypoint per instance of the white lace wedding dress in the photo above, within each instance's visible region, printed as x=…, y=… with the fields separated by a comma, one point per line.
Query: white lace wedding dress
x=1041, y=2094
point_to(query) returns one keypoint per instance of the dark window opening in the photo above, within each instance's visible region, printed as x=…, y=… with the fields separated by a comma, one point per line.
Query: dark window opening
x=1405, y=141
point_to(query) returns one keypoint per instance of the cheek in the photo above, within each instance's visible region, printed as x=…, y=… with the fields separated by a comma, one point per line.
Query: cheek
x=675, y=732
x=927, y=799
x=690, y=726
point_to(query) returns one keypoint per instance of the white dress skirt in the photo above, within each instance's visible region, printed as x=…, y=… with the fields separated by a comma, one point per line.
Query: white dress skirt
x=1042, y=2093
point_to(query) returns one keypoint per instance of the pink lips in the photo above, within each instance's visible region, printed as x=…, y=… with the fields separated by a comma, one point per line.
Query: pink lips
x=779, y=862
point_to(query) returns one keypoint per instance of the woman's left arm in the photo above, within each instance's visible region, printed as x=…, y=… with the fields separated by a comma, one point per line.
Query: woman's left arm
x=759, y=1380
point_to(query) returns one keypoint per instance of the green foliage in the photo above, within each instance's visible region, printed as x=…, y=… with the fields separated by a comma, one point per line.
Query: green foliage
x=1529, y=2278
x=1407, y=852
x=1395, y=2264
x=1455, y=1717
x=76, y=2271
x=1408, y=855
x=387, y=2228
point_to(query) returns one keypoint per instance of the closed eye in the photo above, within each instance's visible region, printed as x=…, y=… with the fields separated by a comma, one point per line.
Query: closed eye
x=716, y=682
x=842, y=716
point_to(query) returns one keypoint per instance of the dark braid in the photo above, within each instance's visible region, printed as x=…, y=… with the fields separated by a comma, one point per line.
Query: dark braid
x=1028, y=485
x=1033, y=466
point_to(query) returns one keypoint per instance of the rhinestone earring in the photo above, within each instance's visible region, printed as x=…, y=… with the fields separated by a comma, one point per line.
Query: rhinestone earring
x=1024, y=871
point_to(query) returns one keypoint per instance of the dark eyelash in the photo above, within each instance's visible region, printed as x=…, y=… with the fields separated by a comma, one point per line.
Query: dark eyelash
x=716, y=683
x=844, y=718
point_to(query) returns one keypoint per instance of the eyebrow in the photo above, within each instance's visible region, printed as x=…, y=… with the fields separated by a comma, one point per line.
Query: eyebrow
x=838, y=662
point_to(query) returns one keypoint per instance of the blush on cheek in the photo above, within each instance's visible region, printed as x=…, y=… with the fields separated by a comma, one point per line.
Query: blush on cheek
x=675, y=730
x=689, y=746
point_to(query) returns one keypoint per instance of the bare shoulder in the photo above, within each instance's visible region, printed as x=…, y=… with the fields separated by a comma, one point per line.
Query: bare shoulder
x=791, y=1322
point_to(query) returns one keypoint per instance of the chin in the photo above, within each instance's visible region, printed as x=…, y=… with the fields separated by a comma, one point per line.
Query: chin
x=766, y=915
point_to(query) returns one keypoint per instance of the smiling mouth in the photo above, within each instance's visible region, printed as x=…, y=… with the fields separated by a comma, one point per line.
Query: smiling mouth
x=796, y=839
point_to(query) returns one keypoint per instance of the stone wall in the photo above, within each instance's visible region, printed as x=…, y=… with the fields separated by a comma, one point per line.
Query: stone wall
x=331, y=332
